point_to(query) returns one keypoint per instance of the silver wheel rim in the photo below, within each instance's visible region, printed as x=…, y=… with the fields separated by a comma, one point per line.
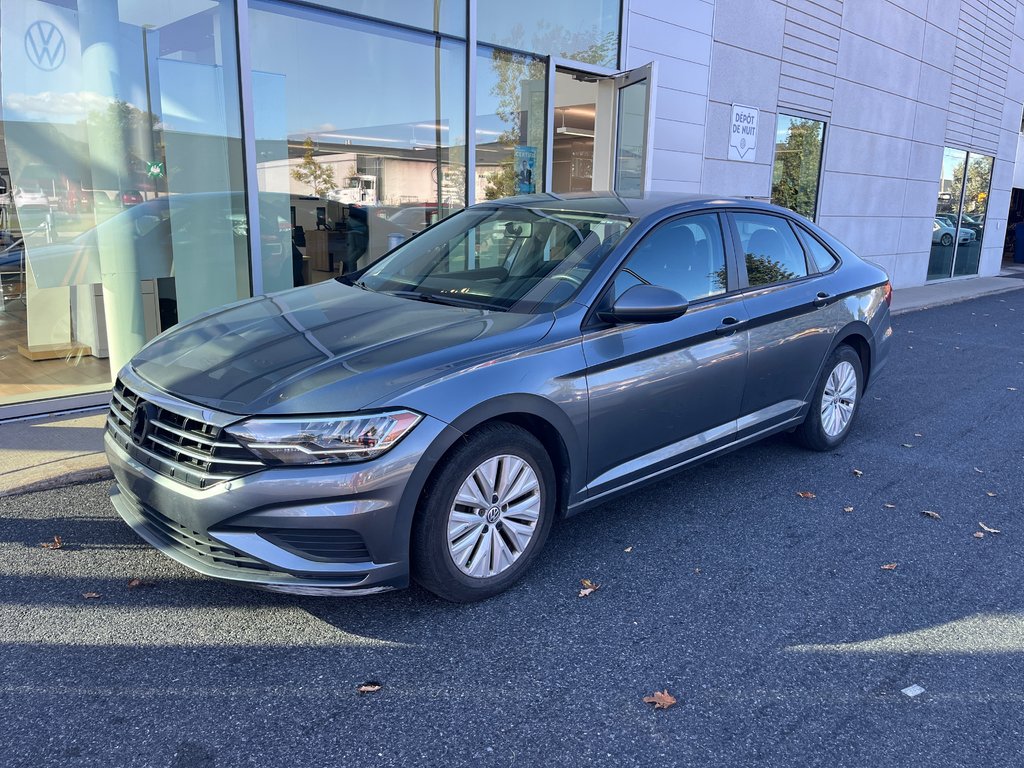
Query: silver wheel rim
x=839, y=399
x=494, y=516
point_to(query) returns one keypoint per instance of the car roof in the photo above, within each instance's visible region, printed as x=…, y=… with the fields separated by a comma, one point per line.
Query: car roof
x=609, y=203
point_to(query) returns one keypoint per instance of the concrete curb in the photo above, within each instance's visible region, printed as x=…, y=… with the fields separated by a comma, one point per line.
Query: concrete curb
x=957, y=298
x=77, y=477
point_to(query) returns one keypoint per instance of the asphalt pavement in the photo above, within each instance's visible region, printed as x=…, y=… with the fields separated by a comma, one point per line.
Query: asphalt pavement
x=767, y=615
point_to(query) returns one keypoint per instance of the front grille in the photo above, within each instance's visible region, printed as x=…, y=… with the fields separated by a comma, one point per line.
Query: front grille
x=198, y=545
x=327, y=544
x=186, y=449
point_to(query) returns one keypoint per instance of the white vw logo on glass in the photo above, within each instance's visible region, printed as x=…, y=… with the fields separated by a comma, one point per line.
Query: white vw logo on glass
x=45, y=46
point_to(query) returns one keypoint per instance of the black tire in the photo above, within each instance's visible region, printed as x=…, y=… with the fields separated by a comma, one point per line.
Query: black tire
x=946, y=239
x=811, y=433
x=432, y=566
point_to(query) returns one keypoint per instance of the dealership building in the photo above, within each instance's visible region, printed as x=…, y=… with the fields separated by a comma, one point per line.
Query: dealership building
x=161, y=159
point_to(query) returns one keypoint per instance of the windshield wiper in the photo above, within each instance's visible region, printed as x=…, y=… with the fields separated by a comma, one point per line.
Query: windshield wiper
x=451, y=301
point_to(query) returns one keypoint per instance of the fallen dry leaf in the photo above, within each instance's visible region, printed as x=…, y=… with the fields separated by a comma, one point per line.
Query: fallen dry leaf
x=990, y=493
x=628, y=549
x=697, y=571
x=857, y=473
x=57, y=543
x=979, y=471
x=890, y=566
x=979, y=535
x=806, y=495
x=907, y=445
x=1012, y=389
x=932, y=515
x=589, y=587
x=847, y=509
x=660, y=699
x=371, y=686
x=91, y=595
x=986, y=529
x=136, y=583
x=918, y=434
x=890, y=506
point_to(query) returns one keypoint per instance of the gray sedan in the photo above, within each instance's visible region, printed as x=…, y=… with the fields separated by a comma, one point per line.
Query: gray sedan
x=432, y=416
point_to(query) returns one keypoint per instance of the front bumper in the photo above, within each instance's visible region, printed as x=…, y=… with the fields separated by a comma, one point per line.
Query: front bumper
x=245, y=530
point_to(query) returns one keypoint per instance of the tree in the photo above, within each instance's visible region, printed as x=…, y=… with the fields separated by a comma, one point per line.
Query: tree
x=314, y=173
x=797, y=167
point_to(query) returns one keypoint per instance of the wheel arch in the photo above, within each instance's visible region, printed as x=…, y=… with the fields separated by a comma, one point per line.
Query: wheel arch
x=857, y=335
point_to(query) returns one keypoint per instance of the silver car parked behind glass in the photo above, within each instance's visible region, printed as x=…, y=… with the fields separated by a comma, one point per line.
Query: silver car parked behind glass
x=433, y=415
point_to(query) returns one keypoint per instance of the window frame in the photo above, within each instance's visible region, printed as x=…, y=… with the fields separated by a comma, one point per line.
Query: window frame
x=804, y=234
x=825, y=123
x=741, y=262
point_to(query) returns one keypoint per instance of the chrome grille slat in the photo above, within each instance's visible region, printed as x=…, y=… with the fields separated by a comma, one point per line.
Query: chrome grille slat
x=181, y=447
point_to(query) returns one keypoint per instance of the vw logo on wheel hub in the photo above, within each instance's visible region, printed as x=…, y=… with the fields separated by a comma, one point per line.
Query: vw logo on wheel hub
x=492, y=515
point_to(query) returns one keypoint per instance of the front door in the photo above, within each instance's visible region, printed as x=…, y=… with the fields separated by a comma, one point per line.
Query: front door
x=599, y=130
x=662, y=393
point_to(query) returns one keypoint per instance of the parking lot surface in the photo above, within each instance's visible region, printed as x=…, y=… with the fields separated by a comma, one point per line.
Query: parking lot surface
x=767, y=615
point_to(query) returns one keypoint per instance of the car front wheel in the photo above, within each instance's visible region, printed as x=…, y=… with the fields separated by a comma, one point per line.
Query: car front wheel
x=835, y=402
x=484, y=515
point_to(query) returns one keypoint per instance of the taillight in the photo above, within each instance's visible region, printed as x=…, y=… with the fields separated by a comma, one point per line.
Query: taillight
x=888, y=293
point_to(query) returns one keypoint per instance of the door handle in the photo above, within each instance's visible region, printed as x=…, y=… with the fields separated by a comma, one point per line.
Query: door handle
x=822, y=299
x=729, y=326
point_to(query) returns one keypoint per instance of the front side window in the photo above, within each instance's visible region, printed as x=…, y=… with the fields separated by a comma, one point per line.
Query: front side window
x=772, y=253
x=502, y=258
x=799, y=143
x=685, y=255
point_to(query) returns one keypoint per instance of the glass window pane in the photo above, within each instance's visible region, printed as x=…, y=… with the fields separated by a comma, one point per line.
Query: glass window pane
x=121, y=141
x=772, y=252
x=972, y=219
x=798, y=147
x=511, y=109
x=824, y=259
x=944, y=226
x=581, y=30
x=447, y=16
x=685, y=255
x=347, y=168
x=630, y=153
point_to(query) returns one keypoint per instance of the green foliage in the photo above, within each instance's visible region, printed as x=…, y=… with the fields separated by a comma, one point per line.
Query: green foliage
x=764, y=271
x=310, y=171
x=797, y=166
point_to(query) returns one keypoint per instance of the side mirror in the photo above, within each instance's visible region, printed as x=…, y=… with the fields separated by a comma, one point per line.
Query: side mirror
x=646, y=304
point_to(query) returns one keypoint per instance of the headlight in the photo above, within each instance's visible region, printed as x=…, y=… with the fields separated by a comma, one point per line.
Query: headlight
x=324, y=440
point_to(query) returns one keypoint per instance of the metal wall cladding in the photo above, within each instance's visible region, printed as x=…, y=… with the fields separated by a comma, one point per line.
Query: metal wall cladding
x=810, y=55
x=982, y=59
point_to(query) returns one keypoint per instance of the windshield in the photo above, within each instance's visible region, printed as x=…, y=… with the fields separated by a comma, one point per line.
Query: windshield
x=505, y=258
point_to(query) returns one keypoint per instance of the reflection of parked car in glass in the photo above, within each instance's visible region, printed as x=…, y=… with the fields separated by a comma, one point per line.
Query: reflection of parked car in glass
x=131, y=197
x=414, y=217
x=943, y=233
x=31, y=197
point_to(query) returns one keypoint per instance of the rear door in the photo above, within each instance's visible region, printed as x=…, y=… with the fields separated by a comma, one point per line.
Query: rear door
x=786, y=299
x=663, y=392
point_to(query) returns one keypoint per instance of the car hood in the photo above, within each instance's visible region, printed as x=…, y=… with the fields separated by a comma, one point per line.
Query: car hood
x=325, y=348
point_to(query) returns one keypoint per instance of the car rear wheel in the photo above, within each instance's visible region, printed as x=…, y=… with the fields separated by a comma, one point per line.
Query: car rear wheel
x=947, y=239
x=484, y=515
x=835, y=402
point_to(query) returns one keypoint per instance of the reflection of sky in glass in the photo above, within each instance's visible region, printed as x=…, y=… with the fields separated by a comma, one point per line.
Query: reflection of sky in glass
x=951, y=158
x=414, y=13
x=355, y=81
x=543, y=26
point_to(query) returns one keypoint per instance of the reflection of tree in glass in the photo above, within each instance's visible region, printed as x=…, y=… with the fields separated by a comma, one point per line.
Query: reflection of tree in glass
x=512, y=69
x=797, y=163
x=761, y=270
x=310, y=171
x=979, y=179
x=137, y=129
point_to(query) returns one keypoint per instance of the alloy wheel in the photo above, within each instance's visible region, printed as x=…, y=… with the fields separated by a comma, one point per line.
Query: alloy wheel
x=839, y=399
x=494, y=516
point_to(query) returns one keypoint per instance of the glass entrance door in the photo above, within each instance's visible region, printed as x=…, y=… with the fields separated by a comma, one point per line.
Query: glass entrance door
x=599, y=131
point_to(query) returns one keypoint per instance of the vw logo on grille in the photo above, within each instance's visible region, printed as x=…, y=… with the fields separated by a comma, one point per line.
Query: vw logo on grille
x=45, y=45
x=142, y=422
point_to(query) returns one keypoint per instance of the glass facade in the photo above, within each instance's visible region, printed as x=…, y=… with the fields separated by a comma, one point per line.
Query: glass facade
x=122, y=206
x=126, y=193
x=958, y=230
x=799, y=144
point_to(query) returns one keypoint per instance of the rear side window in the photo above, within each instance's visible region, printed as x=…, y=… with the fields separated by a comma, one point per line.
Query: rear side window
x=685, y=255
x=823, y=258
x=771, y=250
